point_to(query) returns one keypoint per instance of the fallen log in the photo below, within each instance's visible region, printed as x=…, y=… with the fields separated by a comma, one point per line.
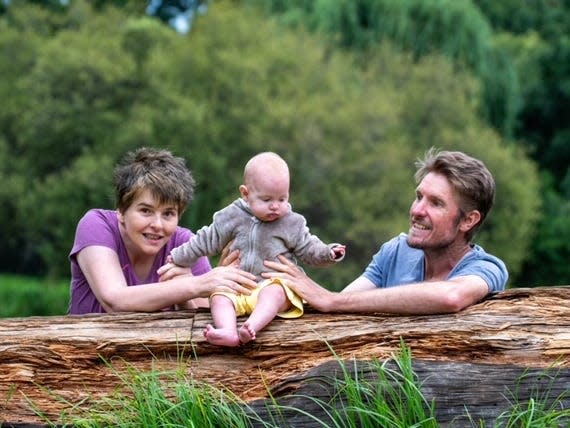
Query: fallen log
x=478, y=352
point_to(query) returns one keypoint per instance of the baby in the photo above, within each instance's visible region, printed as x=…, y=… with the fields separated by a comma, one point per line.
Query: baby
x=262, y=226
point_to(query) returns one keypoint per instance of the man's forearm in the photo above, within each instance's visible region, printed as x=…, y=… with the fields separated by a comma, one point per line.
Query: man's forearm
x=418, y=299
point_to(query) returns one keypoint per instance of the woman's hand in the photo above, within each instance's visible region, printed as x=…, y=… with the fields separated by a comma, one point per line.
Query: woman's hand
x=226, y=279
x=317, y=296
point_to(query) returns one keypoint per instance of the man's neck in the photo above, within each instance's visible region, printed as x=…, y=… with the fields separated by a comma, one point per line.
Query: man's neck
x=441, y=261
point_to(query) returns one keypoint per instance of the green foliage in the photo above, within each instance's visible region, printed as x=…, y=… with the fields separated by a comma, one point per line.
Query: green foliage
x=456, y=29
x=104, y=82
x=536, y=37
x=25, y=296
x=549, y=263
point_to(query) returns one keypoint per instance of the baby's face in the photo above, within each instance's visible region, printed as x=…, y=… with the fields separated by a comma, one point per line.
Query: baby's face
x=268, y=197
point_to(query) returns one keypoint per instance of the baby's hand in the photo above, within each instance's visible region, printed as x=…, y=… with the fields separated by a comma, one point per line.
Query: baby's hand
x=171, y=270
x=338, y=252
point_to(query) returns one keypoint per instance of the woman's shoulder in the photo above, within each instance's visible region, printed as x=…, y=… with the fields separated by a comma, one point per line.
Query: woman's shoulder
x=97, y=227
x=99, y=216
x=180, y=236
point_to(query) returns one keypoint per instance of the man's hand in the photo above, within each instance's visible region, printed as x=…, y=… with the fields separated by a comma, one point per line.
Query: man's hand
x=318, y=297
x=229, y=258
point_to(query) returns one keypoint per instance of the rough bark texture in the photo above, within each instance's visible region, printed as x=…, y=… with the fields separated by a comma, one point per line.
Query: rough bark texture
x=466, y=361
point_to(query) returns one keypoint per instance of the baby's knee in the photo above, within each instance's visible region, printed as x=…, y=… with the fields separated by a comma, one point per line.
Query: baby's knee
x=276, y=292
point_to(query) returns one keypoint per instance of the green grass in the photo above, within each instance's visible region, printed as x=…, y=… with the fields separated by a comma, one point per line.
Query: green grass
x=22, y=296
x=542, y=410
x=163, y=399
x=393, y=398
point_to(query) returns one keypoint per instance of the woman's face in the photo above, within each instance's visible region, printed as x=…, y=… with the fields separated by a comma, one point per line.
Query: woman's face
x=146, y=226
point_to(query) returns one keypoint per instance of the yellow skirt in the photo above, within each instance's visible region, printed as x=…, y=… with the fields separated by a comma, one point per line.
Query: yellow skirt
x=244, y=304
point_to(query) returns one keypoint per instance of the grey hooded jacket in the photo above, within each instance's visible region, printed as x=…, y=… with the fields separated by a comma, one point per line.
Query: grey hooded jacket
x=256, y=240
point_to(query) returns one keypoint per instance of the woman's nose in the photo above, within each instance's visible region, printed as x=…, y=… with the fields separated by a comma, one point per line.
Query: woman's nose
x=156, y=221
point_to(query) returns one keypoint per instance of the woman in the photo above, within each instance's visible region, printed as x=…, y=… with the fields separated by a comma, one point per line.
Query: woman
x=116, y=254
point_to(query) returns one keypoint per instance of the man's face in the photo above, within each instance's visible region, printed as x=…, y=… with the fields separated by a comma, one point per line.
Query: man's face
x=435, y=214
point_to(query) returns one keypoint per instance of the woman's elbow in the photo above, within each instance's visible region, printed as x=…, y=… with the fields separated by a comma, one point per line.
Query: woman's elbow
x=112, y=304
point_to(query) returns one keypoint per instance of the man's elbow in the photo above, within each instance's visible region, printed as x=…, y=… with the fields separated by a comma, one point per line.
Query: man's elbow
x=457, y=300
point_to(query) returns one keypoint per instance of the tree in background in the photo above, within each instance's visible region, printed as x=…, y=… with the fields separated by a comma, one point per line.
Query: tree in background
x=99, y=82
x=537, y=38
x=520, y=55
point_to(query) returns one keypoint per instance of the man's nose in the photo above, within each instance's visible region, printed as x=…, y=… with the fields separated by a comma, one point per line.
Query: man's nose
x=418, y=207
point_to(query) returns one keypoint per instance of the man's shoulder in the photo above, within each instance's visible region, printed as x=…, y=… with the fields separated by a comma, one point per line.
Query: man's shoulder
x=479, y=253
x=398, y=248
x=397, y=243
x=480, y=257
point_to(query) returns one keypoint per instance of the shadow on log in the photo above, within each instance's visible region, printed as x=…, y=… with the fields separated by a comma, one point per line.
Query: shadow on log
x=468, y=362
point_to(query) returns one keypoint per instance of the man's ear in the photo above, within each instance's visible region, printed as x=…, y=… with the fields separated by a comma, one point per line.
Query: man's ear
x=470, y=220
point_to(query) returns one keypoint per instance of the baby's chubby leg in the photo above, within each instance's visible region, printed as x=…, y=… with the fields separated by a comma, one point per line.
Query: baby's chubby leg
x=271, y=301
x=224, y=315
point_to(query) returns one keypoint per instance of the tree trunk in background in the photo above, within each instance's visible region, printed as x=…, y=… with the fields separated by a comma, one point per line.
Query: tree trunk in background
x=467, y=361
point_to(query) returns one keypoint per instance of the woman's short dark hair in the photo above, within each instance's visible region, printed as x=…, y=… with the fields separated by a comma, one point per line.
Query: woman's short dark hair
x=159, y=171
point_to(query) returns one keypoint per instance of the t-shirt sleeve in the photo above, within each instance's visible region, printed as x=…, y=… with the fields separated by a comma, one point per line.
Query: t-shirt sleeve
x=373, y=271
x=492, y=269
x=382, y=262
x=94, y=229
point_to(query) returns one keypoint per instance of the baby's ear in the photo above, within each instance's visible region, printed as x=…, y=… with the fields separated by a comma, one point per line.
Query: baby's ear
x=243, y=190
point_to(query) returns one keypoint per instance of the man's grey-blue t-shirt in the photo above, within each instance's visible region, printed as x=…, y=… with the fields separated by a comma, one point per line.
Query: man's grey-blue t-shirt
x=396, y=263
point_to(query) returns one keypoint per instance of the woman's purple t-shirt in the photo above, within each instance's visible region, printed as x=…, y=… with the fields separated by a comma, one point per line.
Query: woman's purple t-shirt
x=101, y=227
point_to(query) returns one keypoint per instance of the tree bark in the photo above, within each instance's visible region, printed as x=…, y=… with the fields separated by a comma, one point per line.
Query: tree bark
x=51, y=363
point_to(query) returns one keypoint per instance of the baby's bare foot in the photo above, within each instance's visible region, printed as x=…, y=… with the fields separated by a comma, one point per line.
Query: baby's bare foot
x=221, y=336
x=246, y=333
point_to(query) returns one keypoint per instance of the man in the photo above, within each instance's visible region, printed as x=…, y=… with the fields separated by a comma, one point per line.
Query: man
x=435, y=267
